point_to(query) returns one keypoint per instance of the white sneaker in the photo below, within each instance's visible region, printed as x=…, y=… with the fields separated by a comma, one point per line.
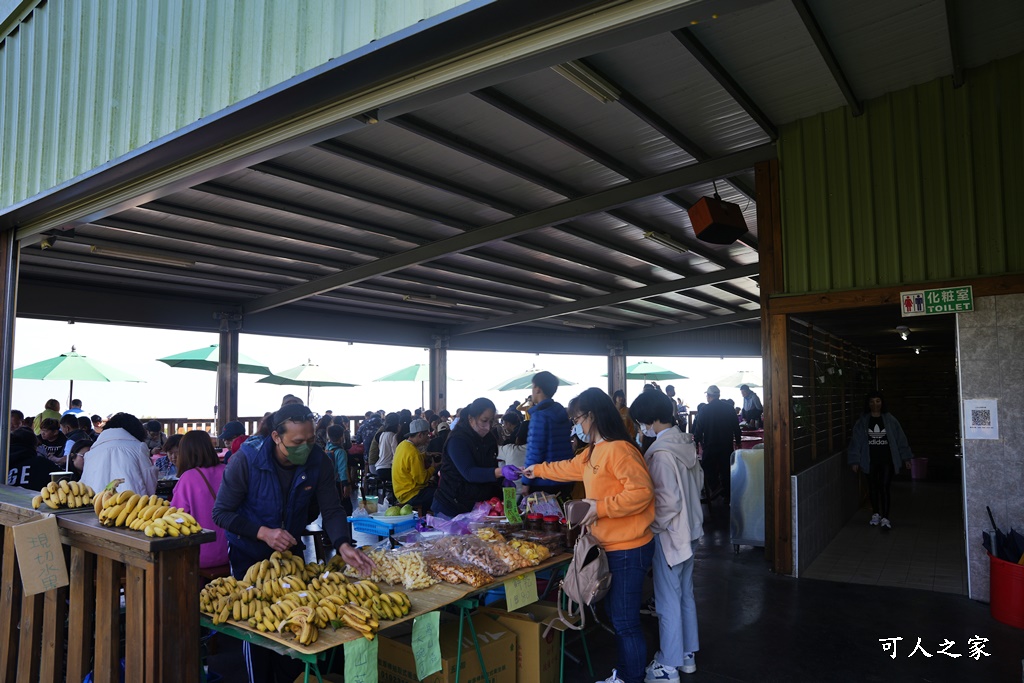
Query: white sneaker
x=689, y=664
x=614, y=678
x=875, y=519
x=659, y=673
x=886, y=524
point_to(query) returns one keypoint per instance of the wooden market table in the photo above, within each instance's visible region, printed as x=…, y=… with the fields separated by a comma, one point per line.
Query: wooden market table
x=460, y=596
x=160, y=579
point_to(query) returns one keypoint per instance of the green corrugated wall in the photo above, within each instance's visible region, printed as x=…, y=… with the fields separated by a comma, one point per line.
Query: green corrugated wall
x=928, y=184
x=83, y=82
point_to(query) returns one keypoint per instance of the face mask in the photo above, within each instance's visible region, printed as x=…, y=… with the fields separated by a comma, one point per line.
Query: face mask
x=648, y=431
x=298, y=455
x=580, y=434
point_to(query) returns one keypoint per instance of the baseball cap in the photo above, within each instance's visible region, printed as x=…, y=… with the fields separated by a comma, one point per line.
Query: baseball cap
x=154, y=426
x=714, y=391
x=417, y=426
x=231, y=430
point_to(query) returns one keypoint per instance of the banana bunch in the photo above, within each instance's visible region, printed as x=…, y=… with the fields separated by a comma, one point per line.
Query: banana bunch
x=359, y=591
x=300, y=622
x=330, y=583
x=279, y=565
x=69, y=494
x=99, y=501
x=355, y=617
x=169, y=522
x=394, y=605
x=278, y=588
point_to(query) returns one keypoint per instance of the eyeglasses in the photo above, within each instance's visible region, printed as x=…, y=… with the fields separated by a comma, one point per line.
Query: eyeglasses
x=576, y=420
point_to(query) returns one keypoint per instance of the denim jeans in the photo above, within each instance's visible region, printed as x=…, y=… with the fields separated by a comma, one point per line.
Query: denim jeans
x=677, y=610
x=629, y=569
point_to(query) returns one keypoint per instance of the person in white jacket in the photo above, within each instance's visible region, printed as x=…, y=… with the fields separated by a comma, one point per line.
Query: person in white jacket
x=120, y=452
x=678, y=526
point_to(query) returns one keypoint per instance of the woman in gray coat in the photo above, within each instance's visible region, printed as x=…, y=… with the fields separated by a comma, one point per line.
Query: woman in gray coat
x=877, y=449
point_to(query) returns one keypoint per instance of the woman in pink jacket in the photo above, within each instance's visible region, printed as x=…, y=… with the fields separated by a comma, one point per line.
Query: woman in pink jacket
x=199, y=477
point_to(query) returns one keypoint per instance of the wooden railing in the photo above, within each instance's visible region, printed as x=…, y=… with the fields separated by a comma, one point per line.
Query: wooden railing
x=180, y=425
x=160, y=583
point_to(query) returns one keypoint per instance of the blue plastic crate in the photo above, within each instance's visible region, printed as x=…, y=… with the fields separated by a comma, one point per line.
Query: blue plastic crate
x=369, y=525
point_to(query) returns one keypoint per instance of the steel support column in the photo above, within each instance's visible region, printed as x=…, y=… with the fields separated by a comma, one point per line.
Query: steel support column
x=227, y=370
x=616, y=368
x=438, y=374
x=9, y=253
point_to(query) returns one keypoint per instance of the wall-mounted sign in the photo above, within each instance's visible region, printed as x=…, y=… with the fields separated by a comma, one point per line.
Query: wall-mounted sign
x=937, y=301
x=981, y=418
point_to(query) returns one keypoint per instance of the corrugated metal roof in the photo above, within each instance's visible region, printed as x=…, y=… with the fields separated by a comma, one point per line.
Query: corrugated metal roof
x=535, y=141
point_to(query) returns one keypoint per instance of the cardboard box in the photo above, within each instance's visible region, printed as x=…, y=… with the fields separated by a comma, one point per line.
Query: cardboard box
x=537, y=658
x=396, y=664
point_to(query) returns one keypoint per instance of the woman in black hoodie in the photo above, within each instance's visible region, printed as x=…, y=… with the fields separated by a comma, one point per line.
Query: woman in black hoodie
x=28, y=469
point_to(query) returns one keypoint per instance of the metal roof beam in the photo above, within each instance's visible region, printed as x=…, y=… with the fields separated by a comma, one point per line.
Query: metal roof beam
x=688, y=40
x=954, y=47
x=691, y=325
x=608, y=299
x=818, y=36
x=600, y=201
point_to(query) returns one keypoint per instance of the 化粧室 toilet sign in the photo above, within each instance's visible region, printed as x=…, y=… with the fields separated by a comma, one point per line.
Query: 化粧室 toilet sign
x=937, y=301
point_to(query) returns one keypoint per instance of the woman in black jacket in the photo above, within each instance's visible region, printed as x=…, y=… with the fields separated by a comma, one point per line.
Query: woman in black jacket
x=469, y=465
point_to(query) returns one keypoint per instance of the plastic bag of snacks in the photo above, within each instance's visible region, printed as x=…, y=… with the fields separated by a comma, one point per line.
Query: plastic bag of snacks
x=473, y=551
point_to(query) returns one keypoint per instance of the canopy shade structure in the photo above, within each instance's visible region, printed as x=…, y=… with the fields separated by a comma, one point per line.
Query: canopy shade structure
x=73, y=366
x=208, y=358
x=648, y=371
x=737, y=379
x=308, y=375
x=525, y=381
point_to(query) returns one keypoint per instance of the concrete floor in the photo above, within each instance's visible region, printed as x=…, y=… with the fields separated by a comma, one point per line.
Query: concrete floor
x=757, y=626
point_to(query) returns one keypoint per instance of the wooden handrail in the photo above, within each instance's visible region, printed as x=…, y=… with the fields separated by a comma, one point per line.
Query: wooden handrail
x=161, y=592
x=208, y=424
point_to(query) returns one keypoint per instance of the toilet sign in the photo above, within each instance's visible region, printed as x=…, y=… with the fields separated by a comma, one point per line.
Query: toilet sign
x=937, y=301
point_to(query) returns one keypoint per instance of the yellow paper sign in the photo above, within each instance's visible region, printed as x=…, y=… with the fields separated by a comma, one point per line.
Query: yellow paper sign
x=361, y=661
x=426, y=644
x=521, y=591
x=40, y=556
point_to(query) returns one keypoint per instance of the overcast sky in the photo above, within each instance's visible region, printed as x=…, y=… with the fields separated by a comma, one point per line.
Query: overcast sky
x=171, y=392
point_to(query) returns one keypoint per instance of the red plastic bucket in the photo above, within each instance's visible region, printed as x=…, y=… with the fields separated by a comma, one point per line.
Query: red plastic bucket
x=919, y=468
x=1006, y=596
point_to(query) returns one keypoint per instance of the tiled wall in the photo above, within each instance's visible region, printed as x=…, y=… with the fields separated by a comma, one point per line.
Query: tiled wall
x=989, y=344
x=825, y=496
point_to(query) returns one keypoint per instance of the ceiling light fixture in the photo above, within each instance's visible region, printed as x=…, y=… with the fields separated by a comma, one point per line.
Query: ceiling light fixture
x=431, y=300
x=582, y=326
x=153, y=257
x=666, y=241
x=583, y=77
x=903, y=331
x=917, y=350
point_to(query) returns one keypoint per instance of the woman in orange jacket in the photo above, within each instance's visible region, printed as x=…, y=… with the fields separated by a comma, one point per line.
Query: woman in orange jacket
x=621, y=498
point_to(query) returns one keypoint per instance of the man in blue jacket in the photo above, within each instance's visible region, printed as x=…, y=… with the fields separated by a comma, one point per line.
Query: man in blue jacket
x=263, y=505
x=548, y=439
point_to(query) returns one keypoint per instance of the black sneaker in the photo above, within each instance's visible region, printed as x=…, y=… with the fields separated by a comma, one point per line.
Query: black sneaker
x=648, y=609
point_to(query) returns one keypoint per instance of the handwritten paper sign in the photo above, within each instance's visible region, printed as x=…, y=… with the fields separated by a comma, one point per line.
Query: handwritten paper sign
x=511, y=509
x=426, y=644
x=40, y=556
x=521, y=591
x=361, y=661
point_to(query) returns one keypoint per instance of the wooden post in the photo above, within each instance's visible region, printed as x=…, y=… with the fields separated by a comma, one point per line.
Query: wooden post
x=177, y=594
x=439, y=374
x=776, y=373
x=83, y=602
x=10, y=608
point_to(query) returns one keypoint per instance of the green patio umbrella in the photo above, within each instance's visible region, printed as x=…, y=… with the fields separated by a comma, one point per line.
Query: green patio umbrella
x=72, y=366
x=208, y=358
x=737, y=379
x=525, y=381
x=308, y=375
x=419, y=372
x=648, y=371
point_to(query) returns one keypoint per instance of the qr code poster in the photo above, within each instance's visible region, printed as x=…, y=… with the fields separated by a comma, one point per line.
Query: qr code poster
x=981, y=419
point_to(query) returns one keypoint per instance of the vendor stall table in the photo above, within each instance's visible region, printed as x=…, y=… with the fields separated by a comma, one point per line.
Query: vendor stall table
x=161, y=595
x=459, y=596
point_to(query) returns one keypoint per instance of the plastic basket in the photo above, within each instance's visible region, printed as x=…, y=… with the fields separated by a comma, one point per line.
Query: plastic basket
x=369, y=525
x=1006, y=591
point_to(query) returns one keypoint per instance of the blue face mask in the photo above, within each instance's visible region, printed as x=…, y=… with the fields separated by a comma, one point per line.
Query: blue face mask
x=577, y=430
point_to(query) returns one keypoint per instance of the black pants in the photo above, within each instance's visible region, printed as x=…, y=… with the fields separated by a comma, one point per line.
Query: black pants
x=384, y=485
x=716, y=472
x=424, y=498
x=880, y=483
x=266, y=666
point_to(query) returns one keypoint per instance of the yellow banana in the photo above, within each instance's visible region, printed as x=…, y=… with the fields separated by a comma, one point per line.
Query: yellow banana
x=36, y=502
x=124, y=496
x=62, y=495
x=352, y=622
x=52, y=486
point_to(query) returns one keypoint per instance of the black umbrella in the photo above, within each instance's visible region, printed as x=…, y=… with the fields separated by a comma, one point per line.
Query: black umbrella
x=1000, y=549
